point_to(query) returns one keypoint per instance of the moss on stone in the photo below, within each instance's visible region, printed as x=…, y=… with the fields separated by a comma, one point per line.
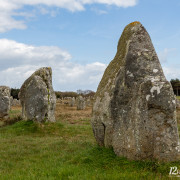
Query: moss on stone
x=48, y=96
x=41, y=73
x=118, y=61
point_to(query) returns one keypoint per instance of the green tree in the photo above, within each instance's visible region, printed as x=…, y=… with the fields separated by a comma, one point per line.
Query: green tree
x=176, y=86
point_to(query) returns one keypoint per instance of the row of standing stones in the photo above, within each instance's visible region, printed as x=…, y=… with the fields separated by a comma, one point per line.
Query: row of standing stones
x=37, y=98
x=80, y=102
x=134, y=110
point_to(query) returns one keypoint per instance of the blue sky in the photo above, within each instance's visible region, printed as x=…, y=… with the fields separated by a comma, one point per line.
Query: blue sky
x=78, y=38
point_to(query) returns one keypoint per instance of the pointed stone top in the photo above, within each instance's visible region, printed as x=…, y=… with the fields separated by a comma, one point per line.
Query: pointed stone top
x=45, y=73
x=113, y=68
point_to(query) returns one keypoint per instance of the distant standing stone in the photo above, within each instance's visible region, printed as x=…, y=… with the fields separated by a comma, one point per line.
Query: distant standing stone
x=72, y=102
x=37, y=96
x=16, y=102
x=11, y=100
x=5, y=101
x=177, y=103
x=135, y=107
x=88, y=102
x=80, y=103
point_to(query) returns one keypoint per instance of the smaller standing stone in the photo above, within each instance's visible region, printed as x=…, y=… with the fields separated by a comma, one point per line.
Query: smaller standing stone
x=177, y=104
x=37, y=96
x=5, y=102
x=72, y=102
x=88, y=102
x=16, y=102
x=80, y=103
x=11, y=100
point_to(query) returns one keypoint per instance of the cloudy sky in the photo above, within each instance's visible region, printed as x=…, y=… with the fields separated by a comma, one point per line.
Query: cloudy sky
x=78, y=38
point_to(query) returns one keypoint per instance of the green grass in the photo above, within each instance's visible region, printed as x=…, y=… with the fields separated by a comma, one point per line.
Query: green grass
x=178, y=97
x=29, y=150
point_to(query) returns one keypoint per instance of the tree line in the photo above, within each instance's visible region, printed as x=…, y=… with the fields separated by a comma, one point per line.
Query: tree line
x=59, y=94
x=14, y=92
x=176, y=86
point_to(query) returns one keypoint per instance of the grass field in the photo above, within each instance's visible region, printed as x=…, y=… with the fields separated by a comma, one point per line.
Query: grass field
x=66, y=150
x=178, y=97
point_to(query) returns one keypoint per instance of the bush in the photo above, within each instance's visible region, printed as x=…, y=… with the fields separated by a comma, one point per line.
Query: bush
x=14, y=93
x=61, y=95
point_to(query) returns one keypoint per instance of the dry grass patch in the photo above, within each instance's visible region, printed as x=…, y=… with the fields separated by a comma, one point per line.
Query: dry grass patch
x=65, y=113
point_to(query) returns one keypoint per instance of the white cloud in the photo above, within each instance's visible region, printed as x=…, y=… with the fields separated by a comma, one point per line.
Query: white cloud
x=166, y=57
x=99, y=11
x=172, y=72
x=11, y=8
x=163, y=55
x=18, y=61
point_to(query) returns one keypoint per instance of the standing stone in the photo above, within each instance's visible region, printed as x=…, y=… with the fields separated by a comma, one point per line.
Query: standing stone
x=5, y=102
x=72, y=102
x=88, y=102
x=37, y=96
x=11, y=100
x=177, y=104
x=80, y=103
x=16, y=102
x=135, y=107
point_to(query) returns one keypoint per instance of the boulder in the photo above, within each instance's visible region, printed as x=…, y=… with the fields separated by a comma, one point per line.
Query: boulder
x=80, y=103
x=135, y=108
x=37, y=96
x=5, y=102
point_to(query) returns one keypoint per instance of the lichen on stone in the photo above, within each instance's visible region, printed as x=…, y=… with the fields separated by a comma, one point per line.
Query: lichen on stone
x=118, y=61
x=37, y=96
x=134, y=107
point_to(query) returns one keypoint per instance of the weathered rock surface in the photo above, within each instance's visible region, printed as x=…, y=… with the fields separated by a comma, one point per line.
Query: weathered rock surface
x=37, y=96
x=135, y=107
x=80, y=103
x=5, y=102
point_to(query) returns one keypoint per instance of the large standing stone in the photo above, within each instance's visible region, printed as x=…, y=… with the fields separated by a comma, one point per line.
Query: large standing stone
x=37, y=96
x=80, y=103
x=5, y=102
x=135, y=107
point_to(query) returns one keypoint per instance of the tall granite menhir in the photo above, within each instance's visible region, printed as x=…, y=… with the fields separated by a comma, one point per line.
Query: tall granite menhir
x=37, y=96
x=135, y=107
